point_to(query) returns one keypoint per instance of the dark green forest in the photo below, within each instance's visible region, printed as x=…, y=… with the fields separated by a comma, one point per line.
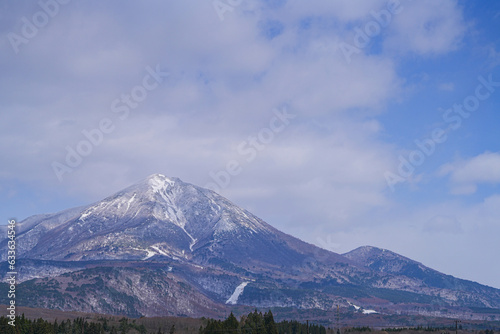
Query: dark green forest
x=253, y=323
x=256, y=322
x=77, y=326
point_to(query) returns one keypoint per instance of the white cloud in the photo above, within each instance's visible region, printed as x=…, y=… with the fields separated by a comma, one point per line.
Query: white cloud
x=340, y=10
x=427, y=27
x=226, y=78
x=465, y=175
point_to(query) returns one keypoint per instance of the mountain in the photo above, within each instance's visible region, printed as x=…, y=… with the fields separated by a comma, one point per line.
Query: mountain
x=404, y=274
x=385, y=261
x=167, y=217
x=167, y=247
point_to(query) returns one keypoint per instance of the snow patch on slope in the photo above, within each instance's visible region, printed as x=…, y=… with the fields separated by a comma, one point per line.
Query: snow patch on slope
x=84, y=215
x=358, y=308
x=236, y=294
x=151, y=251
x=130, y=201
x=150, y=254
x=157, y=249
x=160, y=183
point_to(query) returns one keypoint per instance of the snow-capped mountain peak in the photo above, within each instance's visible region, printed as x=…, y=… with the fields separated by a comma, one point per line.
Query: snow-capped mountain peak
x=159, y=215
x=160, y=183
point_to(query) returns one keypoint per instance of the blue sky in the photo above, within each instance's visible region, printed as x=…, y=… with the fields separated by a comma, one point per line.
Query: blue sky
x=295, y=110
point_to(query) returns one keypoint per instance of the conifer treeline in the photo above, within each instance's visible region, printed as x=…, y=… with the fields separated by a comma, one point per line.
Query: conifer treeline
x=256, y=323
x=77, y=326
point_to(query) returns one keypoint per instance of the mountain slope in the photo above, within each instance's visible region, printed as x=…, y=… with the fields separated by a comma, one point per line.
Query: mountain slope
x=409, y=275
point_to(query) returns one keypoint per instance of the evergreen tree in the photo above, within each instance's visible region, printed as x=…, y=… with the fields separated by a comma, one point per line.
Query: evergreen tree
x=231, y=324
x=113, y=330
x=269, y=323
x=105, y=325
x=123, y=325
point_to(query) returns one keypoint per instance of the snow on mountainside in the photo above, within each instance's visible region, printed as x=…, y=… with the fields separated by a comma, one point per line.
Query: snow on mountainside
x=233, y=300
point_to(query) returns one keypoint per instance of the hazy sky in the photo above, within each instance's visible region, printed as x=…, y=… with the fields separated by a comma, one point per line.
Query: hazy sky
x=344, y=123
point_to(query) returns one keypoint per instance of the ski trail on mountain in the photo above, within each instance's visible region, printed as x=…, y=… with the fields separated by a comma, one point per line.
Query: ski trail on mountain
x=236, y=294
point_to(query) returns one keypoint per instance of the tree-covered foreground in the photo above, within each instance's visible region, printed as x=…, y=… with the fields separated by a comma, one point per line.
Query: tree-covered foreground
x=258, y=323
x=253, y=323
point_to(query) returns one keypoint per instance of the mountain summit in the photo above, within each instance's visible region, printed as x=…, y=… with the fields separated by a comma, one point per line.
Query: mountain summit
x=168, y=217
x=164, y=246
